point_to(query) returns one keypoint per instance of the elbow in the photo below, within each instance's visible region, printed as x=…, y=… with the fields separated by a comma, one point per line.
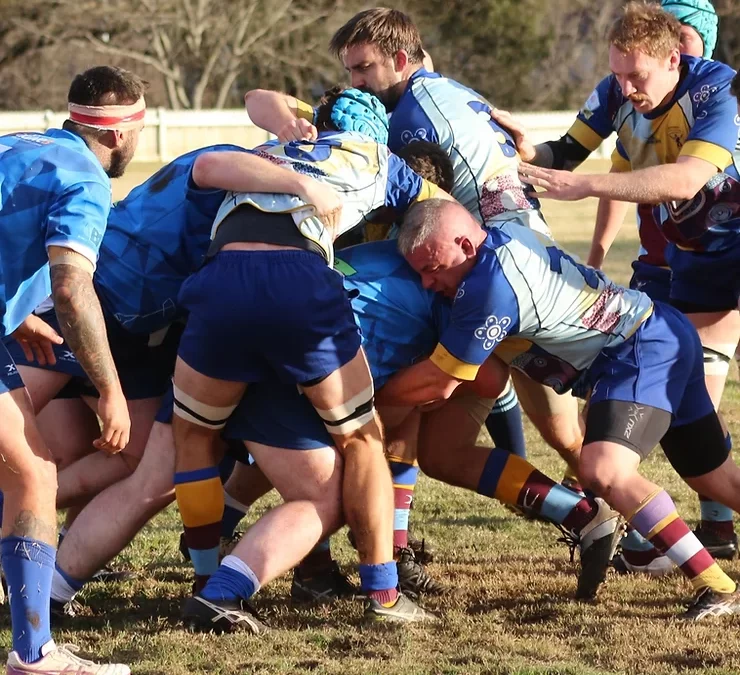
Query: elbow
x=253, y=99
x=202, y=172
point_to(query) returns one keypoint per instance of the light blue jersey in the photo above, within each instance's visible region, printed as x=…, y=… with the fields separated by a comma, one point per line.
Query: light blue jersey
x=156, y=238
x=53, y=192
x=484, y=158
x=397, y=317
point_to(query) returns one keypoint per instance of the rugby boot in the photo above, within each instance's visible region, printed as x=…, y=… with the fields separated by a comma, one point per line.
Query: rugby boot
x=403, y=610
x=221, y=616
x=63, y=660
x=628, y=562
x=323, y=587
x=709, y=603
x=413, y=579
x=718, y=546
x=597, y=543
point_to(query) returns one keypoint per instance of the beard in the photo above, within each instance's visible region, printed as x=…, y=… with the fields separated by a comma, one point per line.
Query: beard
x=119, y=160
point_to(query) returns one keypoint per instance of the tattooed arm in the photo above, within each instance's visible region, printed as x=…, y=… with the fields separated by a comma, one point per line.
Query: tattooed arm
x=81, y=320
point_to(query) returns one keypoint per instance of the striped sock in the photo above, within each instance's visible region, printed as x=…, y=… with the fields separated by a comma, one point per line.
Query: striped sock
x=716, y=517
x=200, y=498
x=513, y=480
x=504, y=424
x=657, y=520
x=637, y=550
x=405, y=475
x=234, y=511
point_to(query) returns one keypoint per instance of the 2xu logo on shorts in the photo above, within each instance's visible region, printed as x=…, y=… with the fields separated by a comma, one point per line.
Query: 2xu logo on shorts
x=634, y=415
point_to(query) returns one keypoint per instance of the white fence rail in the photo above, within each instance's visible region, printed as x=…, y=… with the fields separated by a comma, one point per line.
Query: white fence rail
x=170, y=133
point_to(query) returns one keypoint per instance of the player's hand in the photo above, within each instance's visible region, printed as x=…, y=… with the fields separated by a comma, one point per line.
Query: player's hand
x=561, y=185
x=518, y=132
x=298, y=130
x=326, y=202
x=113, y=413
x=36, y=338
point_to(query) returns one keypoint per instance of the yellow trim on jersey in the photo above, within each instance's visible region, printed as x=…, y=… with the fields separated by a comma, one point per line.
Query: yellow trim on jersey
x=511, y=347
x=648, y=313
x=585, y=135
x=453, y=366
x=428, y=190
x=619, y=163
x=304, y=110
x=709, y=152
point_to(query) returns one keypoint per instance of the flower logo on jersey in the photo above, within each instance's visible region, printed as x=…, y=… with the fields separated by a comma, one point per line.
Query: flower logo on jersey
x=702, y=96
x=493, y=331
x=411, y=136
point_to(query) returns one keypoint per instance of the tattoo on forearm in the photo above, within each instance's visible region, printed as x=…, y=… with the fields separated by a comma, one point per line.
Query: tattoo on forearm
x=28, y=525
x=81, y=320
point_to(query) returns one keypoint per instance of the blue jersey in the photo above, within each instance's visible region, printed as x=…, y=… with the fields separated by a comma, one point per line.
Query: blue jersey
x=484, y=158
x=553, y=315
x=53, y=192
x=156, y=238
x=700, y=120
x=397, y=317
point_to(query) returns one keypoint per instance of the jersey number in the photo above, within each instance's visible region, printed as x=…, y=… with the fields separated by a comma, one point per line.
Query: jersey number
x=317, y=153
x=589, y=274
x=507, y=146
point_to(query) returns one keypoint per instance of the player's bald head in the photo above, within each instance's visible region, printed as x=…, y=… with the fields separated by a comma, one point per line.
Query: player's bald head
x=432, y=220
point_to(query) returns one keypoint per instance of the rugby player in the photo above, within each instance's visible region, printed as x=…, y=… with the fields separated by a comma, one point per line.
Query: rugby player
x=677, y=128
x=54, y=207
x=639, y=362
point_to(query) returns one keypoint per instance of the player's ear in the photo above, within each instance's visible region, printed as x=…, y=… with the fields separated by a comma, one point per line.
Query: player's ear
x=674, y=60
x=113, y=138
x=400, y=60
x=468, y=247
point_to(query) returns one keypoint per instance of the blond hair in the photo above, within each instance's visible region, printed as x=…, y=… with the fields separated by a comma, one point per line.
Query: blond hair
x=647, y=27
x=387, y=29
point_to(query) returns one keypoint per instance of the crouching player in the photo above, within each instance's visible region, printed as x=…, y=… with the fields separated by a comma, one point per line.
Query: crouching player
x=641, y=363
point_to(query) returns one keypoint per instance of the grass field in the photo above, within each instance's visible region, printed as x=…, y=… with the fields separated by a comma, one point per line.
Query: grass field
x=509, y=610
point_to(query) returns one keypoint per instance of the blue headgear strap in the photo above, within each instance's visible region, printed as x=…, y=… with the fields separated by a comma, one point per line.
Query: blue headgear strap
x=359, y=111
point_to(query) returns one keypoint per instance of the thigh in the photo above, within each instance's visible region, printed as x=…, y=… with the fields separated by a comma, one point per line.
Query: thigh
x=42, y=384
x=69, y=428
x=311, y=475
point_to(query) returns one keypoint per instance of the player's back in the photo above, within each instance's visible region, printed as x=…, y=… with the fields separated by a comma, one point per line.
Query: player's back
x=50, y=183
x=156, y=237
x=484, y=158
x=396, y=315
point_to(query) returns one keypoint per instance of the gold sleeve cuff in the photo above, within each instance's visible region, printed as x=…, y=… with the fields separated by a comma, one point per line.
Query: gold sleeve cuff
x=304, y=110
x=714, y=154
x=453, y=366
x=585, y=135
x=428, y=190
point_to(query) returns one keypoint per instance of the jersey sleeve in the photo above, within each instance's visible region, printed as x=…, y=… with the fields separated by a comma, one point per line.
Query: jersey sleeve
x=594, y=122
x=409, y=122
x=714, y=134
x=485, y=311
x=78, y=218
x=405, y=186
x=620, y=160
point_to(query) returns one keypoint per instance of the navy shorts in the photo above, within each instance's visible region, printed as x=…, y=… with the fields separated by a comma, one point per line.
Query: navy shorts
x=661, y=365
x=10, y=378
x=260, y=315
x=145, y=363
x=652, y=280
x=277, y=414
x=704, y=282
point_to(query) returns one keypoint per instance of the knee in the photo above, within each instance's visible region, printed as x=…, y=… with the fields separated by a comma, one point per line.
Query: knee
x=563, y=436
x=599, y=474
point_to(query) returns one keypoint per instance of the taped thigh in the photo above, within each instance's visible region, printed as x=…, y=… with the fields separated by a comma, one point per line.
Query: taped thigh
x=352, y=415
x=717, y=359
x=191, y=410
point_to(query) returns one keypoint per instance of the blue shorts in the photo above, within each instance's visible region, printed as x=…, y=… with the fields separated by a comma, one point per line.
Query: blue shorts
x=661, y=365
x=145, y=363
x=704, y=282
x=652, y=280
x=277, y=414
x=10, y=378
x=261, y=315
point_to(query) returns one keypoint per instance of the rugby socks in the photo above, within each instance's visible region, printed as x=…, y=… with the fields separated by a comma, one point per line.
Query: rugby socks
x=504, y=424
x=63, y=586
x=716, y=517
x=572, y=482
x=29, y=565
x=233, y=580
x=657, y=520
x=200, y=497
x=380, y=582
x=234, y=511
x=514, y=481
x=405, y=474
x=317, y=561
